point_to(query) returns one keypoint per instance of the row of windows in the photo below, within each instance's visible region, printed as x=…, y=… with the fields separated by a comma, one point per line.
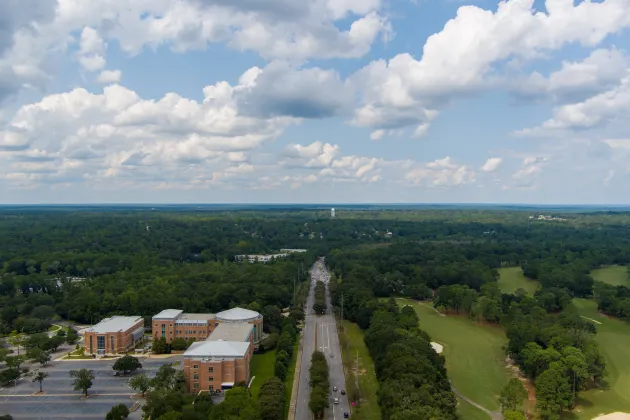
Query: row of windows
x=186, y=332
x=210, y=378
x=210, y=369
x=210, y=388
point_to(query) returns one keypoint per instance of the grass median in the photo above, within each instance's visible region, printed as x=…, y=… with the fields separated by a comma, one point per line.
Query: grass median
x=351, y=341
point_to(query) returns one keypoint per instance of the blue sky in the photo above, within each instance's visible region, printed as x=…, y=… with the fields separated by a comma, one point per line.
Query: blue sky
x=278, y=101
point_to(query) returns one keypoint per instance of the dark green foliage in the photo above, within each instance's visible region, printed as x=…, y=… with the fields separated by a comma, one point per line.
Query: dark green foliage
x=271, y=399
x=238, y=405
x=127, y=364
x=512, y=395
x=118, y=412
x=320, y=298
x=177, y=344
x=320, y=385
x=82, y=380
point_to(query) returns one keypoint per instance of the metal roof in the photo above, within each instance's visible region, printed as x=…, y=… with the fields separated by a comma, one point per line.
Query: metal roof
x=231, y=332
x=217, y=349
x=237, y=314
x=204, y=317
x=168, y=314
x=115, y=324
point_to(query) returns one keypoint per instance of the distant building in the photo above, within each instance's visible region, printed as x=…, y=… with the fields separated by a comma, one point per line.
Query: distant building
x=332, y=213
x=265, y=258
x=117, y=334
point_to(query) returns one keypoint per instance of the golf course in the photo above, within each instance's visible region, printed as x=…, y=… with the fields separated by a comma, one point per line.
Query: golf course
x=474, y=357
x=613, y=337
x=511, y=279
x=615, y=275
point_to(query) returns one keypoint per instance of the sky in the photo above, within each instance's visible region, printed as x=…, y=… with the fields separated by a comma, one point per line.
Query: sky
x=315, y=101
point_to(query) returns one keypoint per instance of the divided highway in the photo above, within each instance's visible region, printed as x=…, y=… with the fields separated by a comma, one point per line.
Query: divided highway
x=328, y=343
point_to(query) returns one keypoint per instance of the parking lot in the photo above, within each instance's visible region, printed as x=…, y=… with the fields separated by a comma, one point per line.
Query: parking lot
x=61, y=401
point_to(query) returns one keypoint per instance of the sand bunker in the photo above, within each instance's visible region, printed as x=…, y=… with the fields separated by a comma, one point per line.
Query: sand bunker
x=438, y=349
x=613, y=416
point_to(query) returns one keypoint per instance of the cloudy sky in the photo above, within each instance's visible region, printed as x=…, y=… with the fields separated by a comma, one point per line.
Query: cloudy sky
x=314, y=101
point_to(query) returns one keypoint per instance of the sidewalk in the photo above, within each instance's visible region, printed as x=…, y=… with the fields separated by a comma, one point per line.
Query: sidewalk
x=296, y=381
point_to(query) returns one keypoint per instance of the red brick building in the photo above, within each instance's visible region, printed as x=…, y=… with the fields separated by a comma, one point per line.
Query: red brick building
x=117, y=334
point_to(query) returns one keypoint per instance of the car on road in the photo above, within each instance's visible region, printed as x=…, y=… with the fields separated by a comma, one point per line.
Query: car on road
x=334, y=388
x=336, y=401
x=343, y=392
x=346, y=415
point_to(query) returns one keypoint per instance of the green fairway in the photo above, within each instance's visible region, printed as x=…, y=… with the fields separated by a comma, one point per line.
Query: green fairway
x=613, y=337
x=616, y=275
x=263, y=368
x=474, y=355
x=351, y=341
x=467, y=411
x=511, y=279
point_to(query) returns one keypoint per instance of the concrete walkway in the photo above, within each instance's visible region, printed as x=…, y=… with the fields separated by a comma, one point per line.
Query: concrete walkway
x=494, y=415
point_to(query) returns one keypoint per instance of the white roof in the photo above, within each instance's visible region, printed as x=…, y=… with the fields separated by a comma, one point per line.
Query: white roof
x=228, y=349
x=115, y=324
x=231, y=332
x=237, y=314
x=168, y=314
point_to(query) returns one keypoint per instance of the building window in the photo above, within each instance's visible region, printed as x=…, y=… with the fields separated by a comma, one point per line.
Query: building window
x=195, y=376
x=195, y=385
x=100, y=342
x=210, y=369
x=163, y=330
x=211, y=379
x=111, y=344
x=91, y=351
x=211, y=388
x=195, y=366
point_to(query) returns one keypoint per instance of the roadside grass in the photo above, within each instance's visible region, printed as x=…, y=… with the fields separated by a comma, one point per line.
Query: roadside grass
x=54, y=328
x=76, y=354
x=512, y=279
x=288, y=382
x=475, y=360
x=263, y=368
x=351, y=342
x=613, y=337
x=616, y=275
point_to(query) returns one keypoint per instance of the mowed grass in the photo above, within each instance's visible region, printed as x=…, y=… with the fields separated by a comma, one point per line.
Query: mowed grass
x=616, y=275
x=474, y=355
x=511, y=279
x=351, y=342
x=263, y=368
x=613, y=337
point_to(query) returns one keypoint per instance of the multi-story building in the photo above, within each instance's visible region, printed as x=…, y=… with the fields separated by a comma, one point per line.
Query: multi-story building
x=174, y=323
x=217, y=365
x=117, y=334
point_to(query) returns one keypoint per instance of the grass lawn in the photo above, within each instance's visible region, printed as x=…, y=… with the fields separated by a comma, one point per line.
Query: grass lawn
x=613, y=337
x=351, y=341
x=616, y=275
x=288, y=382
x=474, y=355
x=512, y=278
x=263, y=368
x=469, y=412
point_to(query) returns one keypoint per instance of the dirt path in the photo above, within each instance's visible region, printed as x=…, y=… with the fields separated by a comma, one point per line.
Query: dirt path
x=494, y=415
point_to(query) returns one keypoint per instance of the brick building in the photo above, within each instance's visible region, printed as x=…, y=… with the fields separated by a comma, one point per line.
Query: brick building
x=174, y=323
x=117, y=334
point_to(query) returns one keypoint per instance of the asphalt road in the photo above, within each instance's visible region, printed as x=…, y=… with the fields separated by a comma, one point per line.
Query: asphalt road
x=61, y=401
x=328, y=343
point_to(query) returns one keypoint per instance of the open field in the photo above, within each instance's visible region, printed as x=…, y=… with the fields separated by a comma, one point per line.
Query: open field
x=263, y=368
x=474, y=356
x=351, y=342
x=512, y=279
x=613, y=336
x=616, y=275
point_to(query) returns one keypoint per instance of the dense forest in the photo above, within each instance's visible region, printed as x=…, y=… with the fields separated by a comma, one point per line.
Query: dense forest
x=86, y=265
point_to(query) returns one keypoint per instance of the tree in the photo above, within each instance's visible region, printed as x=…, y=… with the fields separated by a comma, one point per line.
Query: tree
x=9, y=375
x=168, y=377
x=71, y=336
x=553, y=391
x=171, y=415
x=82, y=380
x=6, y=417
x=14, y=361
x=161, y=400
x=160, y=346
x=118, y=412
x=238, y=405
x=140, y=383
x=43, y=358
x=17, y=339
x=512, y=395
x=179, y=344
x=39, y=377
x=56, y=341
x=271, y=398
x=127, y=364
